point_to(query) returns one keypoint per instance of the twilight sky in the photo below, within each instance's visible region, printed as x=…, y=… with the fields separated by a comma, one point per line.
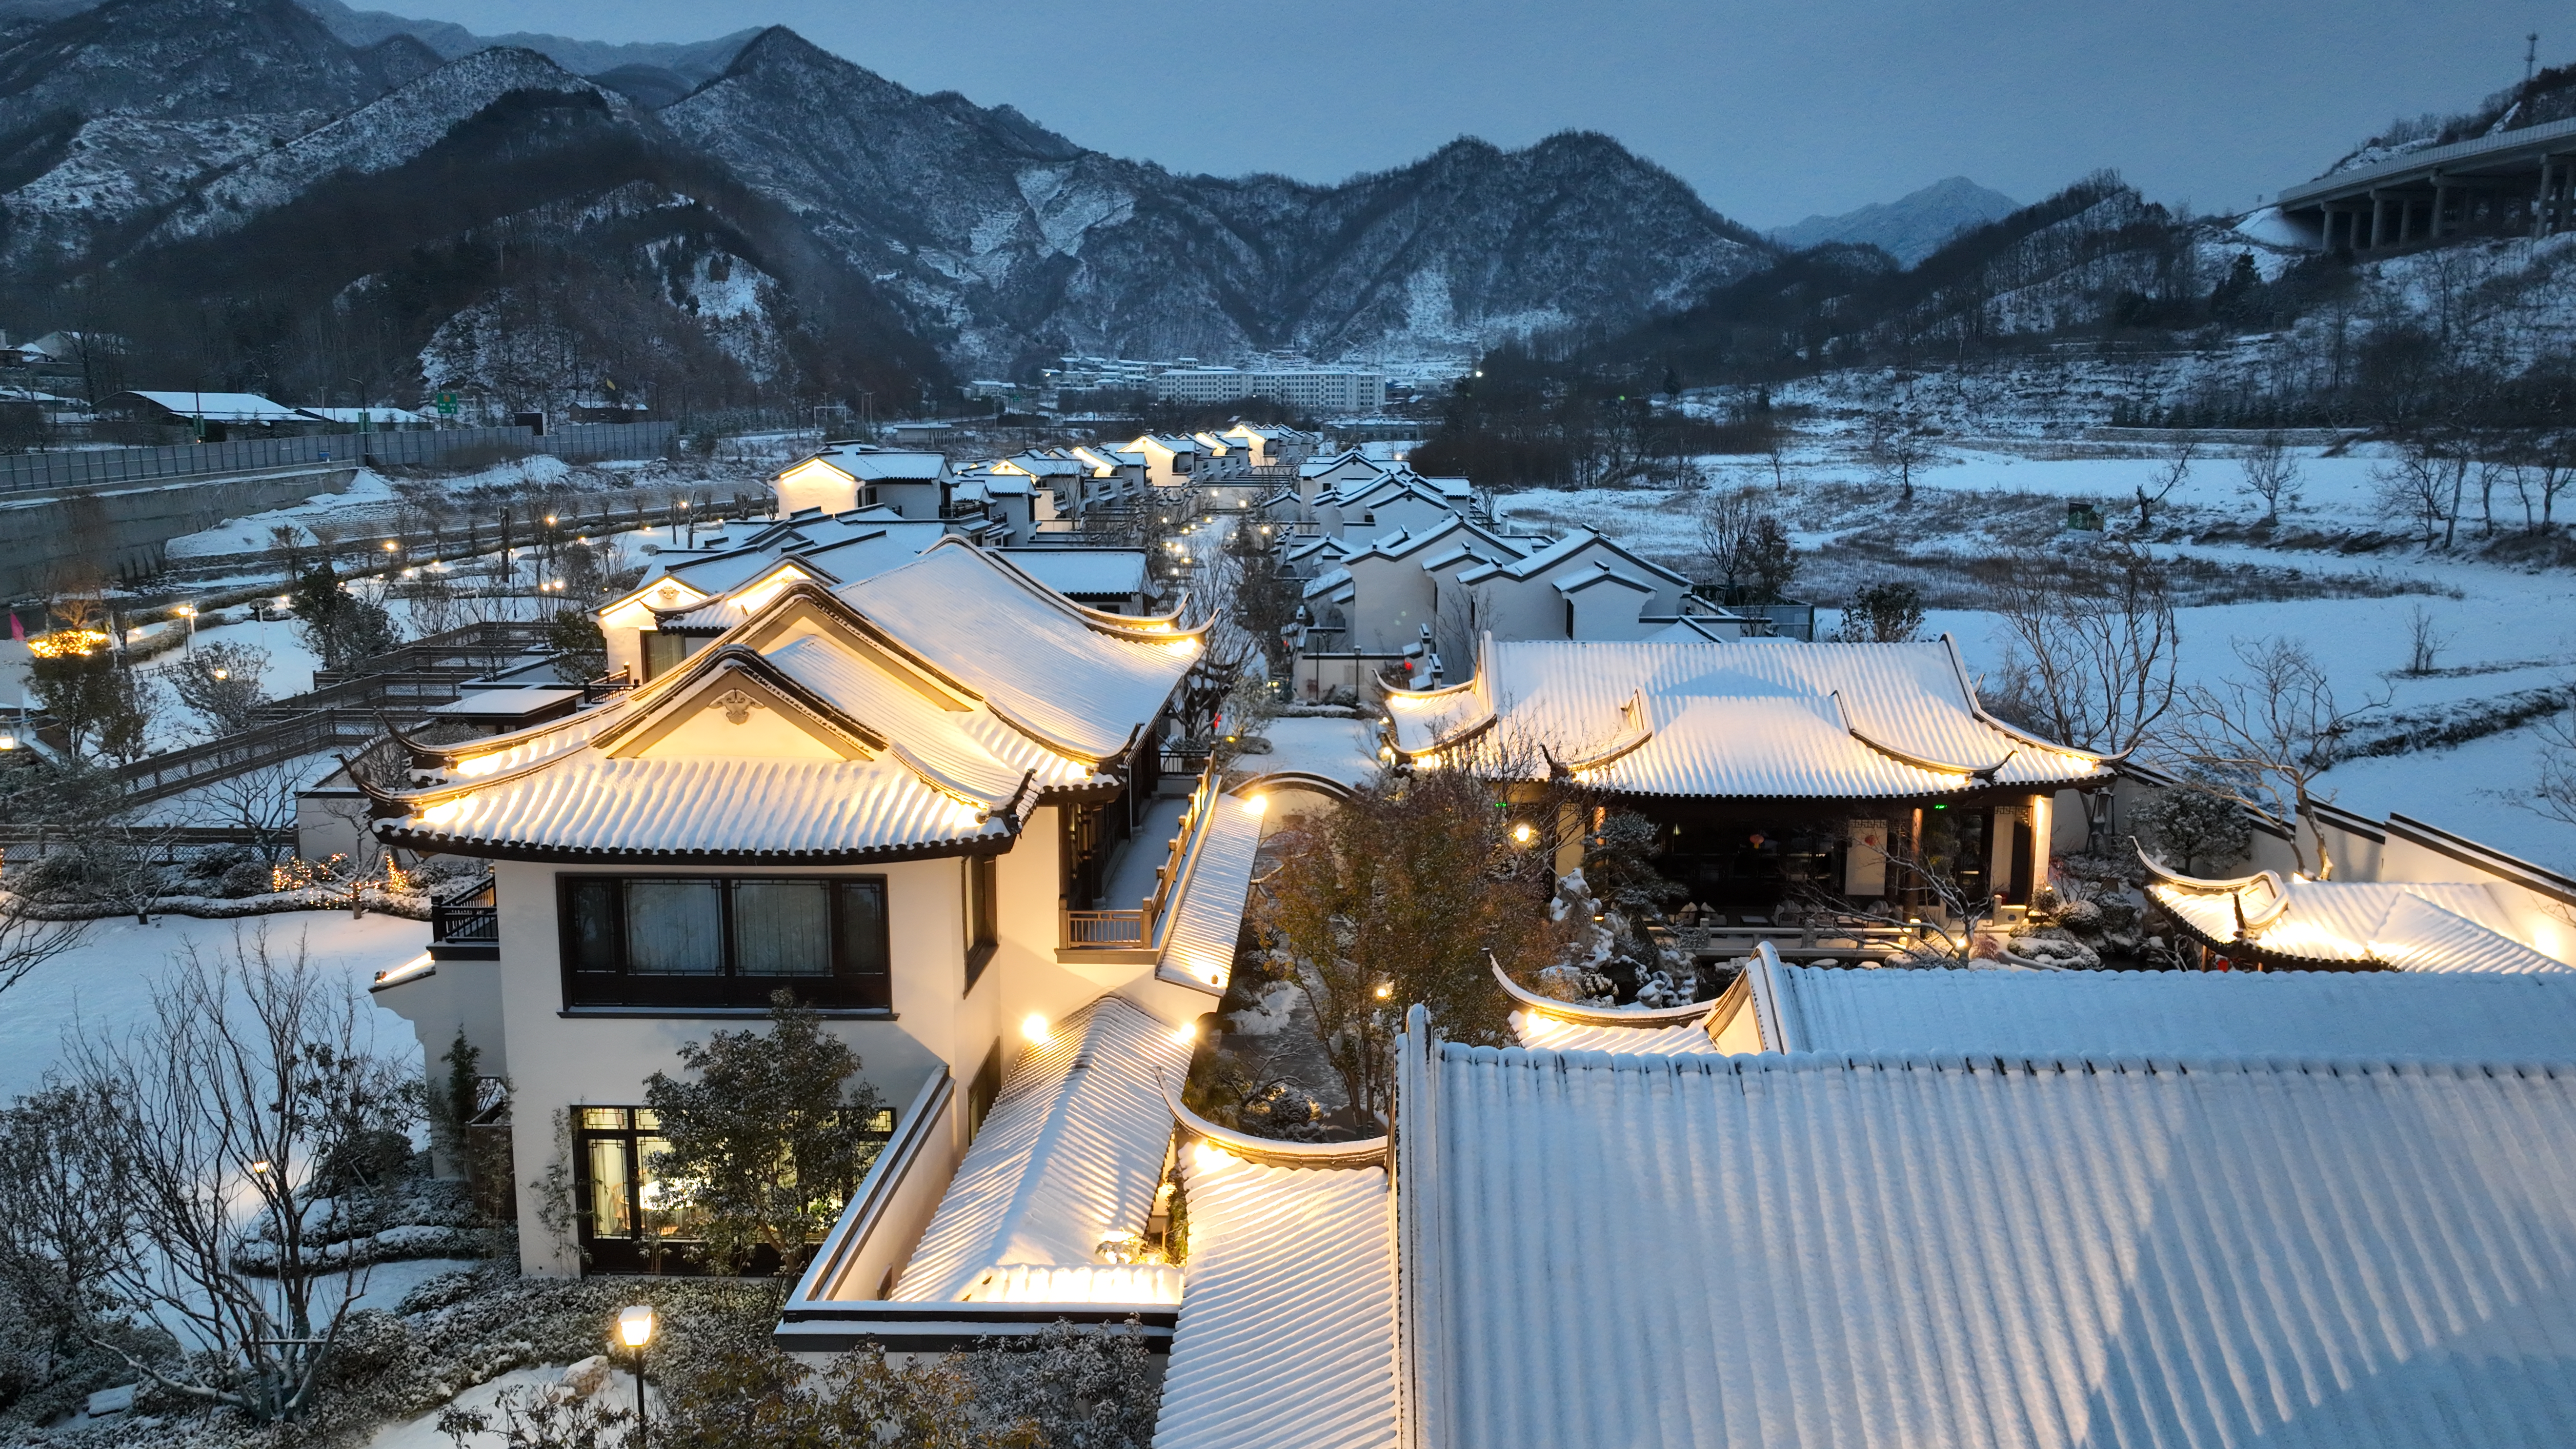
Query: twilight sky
x=1772, y=110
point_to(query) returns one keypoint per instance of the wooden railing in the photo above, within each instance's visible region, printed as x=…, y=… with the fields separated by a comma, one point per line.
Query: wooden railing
x=1114, y=929
x=1132, y=930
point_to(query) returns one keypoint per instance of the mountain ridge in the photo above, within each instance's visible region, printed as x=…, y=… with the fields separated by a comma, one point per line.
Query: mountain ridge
x=1911, y=227
x=994, y=239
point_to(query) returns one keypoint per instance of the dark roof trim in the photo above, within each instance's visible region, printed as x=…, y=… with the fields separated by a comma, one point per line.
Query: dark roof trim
x=2468, y=852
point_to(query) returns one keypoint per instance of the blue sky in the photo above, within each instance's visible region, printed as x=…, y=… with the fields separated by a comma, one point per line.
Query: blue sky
x=1772, y=111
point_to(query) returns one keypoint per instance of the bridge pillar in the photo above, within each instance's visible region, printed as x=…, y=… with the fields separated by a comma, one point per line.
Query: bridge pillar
x=2441, y=202
x=2378, y=219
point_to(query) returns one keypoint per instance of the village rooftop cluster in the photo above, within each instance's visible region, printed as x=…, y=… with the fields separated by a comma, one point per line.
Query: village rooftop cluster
x=923, y=751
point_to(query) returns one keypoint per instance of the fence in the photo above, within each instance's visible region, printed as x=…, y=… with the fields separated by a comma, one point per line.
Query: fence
x=430, y=447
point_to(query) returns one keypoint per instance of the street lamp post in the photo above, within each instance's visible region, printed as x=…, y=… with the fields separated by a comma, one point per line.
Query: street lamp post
x=189, y=613
x=635, y=1329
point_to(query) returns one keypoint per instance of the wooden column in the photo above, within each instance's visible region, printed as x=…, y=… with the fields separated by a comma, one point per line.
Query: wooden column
x=2042, y=825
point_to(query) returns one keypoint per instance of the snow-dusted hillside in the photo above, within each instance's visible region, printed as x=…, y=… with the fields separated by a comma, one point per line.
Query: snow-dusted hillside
x=384, y=133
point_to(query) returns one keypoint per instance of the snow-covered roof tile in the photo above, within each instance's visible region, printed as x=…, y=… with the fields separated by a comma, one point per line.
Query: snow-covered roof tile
x=596, y=806
x=1200, y=928
x=1088, y=680
x=2375, y=1014
x=1886, y=1249
x=1286, y=1337
x=2413, y=925
x=1070, y=1154
x=1552, y=1033
x=1739, y=718
x=1084, y=572
x=238, y=407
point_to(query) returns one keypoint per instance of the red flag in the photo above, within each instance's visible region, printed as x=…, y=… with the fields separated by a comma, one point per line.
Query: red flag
x=17, y=630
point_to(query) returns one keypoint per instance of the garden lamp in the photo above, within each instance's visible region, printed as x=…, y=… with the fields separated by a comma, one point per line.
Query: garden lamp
x=635, y=1329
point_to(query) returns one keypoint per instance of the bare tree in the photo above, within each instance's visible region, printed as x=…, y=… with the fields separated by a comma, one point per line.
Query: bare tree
x=222, y=685
x=2542, y=470
x=2554, y=793
x=2271, y=474
x=1896, y=449
x=2263, y=737
x=2416, y=488
x=260, y=801
x=62, y=1210
x=2160, y=484
x=2424, y=643
x=2092, y=649
x=253, y=1077
x=29, y=937
x=1746, y=552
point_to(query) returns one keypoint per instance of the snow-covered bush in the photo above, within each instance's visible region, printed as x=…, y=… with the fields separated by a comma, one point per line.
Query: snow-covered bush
x=2055, y=948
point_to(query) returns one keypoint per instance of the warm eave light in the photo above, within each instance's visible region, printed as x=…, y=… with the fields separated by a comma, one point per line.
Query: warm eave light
x=1522, y=834
x=1034, y=1027
x=1256, y=804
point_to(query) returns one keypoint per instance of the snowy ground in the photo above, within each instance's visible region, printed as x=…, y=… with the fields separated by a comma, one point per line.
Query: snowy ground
x=106, y=981
x=2506, y=629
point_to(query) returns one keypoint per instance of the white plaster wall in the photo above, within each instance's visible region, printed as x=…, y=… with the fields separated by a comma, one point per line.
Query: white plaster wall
x=559, y=1060
x=1609, y=610
x=1392, y=603
x=816, y=485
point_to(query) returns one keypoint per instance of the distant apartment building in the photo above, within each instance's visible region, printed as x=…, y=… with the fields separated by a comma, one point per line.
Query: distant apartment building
x=1329, y=391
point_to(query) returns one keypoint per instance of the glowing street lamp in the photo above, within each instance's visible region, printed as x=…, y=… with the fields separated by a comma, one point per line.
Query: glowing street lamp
x=635, y=1329
x=189, y=613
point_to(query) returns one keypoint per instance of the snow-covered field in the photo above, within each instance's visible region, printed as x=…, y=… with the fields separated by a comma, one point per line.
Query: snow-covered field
x=106, y=981
x=2505, y=629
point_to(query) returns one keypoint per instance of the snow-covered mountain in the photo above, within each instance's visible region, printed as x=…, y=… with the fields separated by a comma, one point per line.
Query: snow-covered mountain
x=138, y=126
x=1020, y=243
x=1911, y=227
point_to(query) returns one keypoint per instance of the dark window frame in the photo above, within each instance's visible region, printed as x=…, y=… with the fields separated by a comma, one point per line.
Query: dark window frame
x=983, y=914
x=640, y=1250
x=850, y=984
x=984, y=1090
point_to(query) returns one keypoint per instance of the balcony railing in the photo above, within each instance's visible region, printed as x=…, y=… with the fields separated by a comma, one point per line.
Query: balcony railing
x=466, y=925
x=1135, y=930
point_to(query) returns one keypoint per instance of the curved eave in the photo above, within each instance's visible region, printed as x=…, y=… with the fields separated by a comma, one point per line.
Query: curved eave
x=2167, y=875
x=1549, y=1006
x=1604, y=758
x=1458, y=734
x=529, y=850
x=592, y=718
x=1117, y=626
x=1298, y=780
x=1365, y=1152
x=2241, y=948
x=1977, y=707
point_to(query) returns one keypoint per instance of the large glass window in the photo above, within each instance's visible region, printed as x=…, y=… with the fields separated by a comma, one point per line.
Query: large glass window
x=724, y=940
x=631, y=1221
